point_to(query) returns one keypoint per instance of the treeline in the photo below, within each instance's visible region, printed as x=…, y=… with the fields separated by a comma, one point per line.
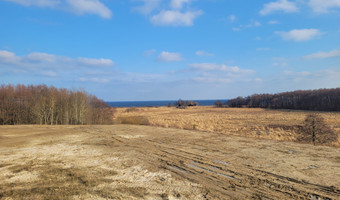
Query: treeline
x=41, y=104
x=321, y=100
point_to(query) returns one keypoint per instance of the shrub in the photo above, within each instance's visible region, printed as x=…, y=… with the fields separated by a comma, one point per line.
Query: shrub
x=218, y=104
x=132, y=109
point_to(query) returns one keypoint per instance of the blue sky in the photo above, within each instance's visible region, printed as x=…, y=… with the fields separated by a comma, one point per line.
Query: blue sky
x=171, y=49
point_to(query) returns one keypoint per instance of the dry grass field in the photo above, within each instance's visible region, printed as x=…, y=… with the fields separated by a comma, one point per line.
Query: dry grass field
x=281, y=125
x=145, y=162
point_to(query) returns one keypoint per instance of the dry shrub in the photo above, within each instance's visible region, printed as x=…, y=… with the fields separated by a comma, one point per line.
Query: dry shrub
x=135, y=120
x=132, y=109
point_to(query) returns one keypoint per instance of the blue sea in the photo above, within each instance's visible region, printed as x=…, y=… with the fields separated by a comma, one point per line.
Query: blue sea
x=156, y=103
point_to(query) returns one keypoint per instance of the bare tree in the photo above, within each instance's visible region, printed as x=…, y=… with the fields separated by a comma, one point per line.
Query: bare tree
x=40, y=104
x=316, y=131
x=218, y=104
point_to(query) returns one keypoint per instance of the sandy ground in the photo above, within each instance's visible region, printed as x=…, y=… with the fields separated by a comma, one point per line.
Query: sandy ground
x=143, y=162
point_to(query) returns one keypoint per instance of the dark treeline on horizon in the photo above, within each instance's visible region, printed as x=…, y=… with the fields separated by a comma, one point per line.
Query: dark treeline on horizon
x=40, y=104
x=321, y=100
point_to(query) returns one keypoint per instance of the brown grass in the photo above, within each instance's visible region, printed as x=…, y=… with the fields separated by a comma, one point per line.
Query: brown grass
x=282, y=125
x=133, y=120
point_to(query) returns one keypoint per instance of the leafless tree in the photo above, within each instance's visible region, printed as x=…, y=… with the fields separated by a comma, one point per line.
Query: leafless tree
x=218, y=104
x=316, y=131
x=40, y=104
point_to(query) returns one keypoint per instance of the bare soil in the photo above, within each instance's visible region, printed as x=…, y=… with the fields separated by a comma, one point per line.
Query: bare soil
x=143, y=162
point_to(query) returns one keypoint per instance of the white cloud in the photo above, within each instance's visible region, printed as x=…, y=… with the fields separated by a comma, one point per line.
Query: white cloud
x=6, y=56
x=175, y=18
x=178, y=4
x=41, y=57
x=148, y=7
x=204, y=54
x=96, y=62
x=43, y=60
x=218, y=73
x=39, y=3
x=169, y=57
x=280, y=5
x=168, y=13
x=299, y=35
x=218, y=67
x=90, y=7
x=79, y=7
x=334, y=53
x=60, y=68
x=323, y=6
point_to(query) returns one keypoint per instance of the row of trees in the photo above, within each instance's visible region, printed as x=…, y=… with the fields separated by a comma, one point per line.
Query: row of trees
x=322, y=100
x=41, y=104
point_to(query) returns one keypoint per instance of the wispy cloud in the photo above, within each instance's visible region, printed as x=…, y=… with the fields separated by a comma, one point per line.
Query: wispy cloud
x=219, y=73
x=49, y=73
x=219, y=67
x=39, y=3
x=41, y=57
x=253, y=23
x=297, y=74
x=149, y=52
x=280, y=5
x=323, y=6
x=89, y=7
x=175, y=18
x=320, y=55
x=38, y=61
x=272, y=22
x=94, y=79
x=280, y=62
x=96, y=62
x=263, y=49
x=178, y=4
x=79, y=7
x=232, y=18
x=169, y=57
x=168, y=13
x=147, y=7
x=204, y=54
x=300, y=35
